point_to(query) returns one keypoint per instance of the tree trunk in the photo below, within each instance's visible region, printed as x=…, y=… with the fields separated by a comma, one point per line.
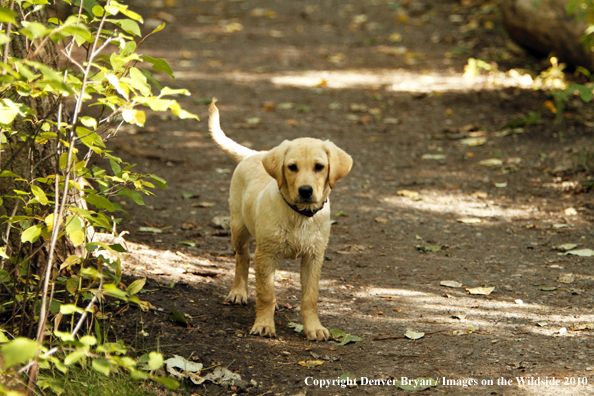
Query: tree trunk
x=20, y=154
x=544, y=27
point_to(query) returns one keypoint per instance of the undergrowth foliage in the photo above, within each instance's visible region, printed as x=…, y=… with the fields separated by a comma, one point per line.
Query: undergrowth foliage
x=49, y=294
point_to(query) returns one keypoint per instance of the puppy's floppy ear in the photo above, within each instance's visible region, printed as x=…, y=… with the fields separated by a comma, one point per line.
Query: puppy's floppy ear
x=274, y=161
x=339, y=162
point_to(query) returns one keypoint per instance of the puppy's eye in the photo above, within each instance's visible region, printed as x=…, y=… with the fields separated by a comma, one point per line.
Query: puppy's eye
x=293, y=168
x=319, y=167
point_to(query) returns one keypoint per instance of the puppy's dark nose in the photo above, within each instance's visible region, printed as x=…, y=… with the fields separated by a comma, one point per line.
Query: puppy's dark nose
x=305, y=191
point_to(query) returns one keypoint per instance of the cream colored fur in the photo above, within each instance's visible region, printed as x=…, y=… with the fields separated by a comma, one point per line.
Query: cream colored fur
x=258, y=209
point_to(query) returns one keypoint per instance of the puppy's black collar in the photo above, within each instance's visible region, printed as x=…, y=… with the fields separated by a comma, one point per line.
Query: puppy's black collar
x=304, y=212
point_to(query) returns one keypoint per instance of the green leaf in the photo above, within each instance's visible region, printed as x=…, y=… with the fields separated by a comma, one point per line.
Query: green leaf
x=98, y=11
x=158, y=181
x=429, y=249
x=73, y=223
x=169, y=91
x=6, y=173
x=89, y=122
x=18, y=351
x=39, y=194
x=136, y=286
x=547, y=288
x=155, y=361
x=159, y=28
x=89, y=138
x=137, y=375
x=168, y=382
x=88, y=5
x=72, y=285
x=9, y=110
x=115, y=167
x=33, y=30
x=159, y=65
x=32, y=233
x=98, y=331
x=585, y=92
x=178, y=317
x=133, y=195
x=343, y=337
x=128, y=25
x=69, y=309
x=101, y=366
x=99, y=201
x=113, y=291
x=88, y=340
x=138, y=81
x=73, y=358
x=7, y=16
x=80, y=32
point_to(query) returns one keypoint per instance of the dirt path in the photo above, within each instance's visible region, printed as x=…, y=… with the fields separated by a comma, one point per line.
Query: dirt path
x=383, y=80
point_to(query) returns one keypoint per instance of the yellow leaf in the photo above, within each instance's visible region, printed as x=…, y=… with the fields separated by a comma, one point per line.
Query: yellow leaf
x=481, y=290
x=77, y=237
x=49, y=222
x=407, y=193
x=136, y=117
x=311, y=363
x=551, y=106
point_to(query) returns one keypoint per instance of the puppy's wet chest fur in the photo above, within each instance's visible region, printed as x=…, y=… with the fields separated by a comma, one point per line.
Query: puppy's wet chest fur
x=299, y=238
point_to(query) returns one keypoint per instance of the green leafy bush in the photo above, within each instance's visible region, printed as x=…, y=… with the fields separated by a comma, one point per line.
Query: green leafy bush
x=52, y=122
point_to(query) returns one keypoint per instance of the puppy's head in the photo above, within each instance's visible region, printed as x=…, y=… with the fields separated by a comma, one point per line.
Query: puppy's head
x=306, y=169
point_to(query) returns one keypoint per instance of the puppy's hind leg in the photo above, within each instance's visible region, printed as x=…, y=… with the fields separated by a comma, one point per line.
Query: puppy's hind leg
x=240, y=237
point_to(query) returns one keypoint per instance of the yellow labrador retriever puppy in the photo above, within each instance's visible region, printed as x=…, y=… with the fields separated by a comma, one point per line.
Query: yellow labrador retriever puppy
x=280, y=197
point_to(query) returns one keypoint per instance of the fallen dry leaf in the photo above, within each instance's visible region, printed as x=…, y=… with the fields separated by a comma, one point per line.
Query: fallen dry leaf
x=188, y=225
x=582, y=326
x=447, y=283
x=474, y=141
x=491, y=162
x=311, y=363
x=413, y=335
x=407, y=193
x=566, y=278
x=469, y=220
x=480, y=290
x=203, y=204
x=381, y=220
x=436, y=157
x=566, y=247
x=581, y=252
x=479, y=194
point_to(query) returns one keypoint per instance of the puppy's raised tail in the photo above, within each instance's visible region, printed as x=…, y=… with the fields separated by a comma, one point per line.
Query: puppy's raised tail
x=233, y=149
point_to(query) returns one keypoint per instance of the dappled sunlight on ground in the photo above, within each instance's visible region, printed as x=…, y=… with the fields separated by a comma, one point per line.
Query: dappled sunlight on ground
x=391, y=80
x=461, y=204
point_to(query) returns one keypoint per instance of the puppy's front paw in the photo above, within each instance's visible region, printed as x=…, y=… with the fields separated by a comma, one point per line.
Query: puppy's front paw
x=237, y=297
x=263, y=330
x=317, y=333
